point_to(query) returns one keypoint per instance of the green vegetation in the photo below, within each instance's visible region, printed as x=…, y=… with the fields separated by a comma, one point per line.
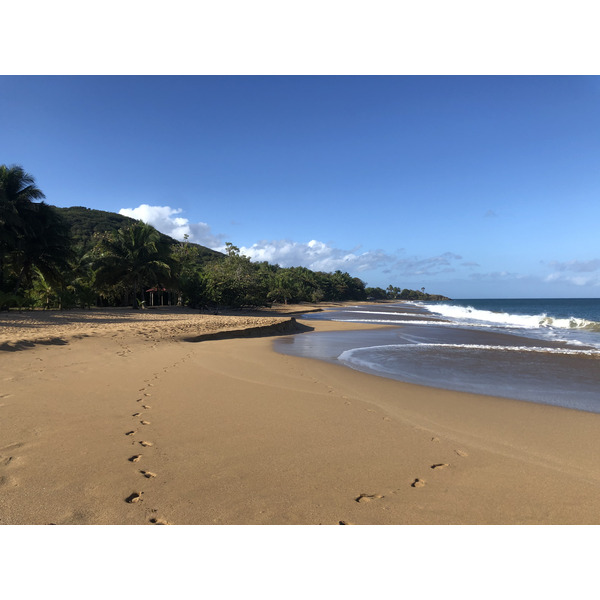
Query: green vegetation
x=86, y=224
x=396, y=293
x=78, y=257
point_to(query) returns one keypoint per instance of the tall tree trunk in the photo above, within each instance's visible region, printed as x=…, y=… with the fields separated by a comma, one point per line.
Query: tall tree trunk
x=19, y=280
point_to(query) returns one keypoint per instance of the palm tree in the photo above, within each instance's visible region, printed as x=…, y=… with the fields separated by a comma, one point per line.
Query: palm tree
x=134, y=256
x=31, y=234
x=17, y=192
x=46, y=246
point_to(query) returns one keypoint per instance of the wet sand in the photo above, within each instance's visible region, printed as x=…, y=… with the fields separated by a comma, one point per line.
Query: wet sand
x=145, y=418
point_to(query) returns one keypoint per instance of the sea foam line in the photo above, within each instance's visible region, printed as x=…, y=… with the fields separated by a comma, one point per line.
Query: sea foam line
x=374, y=312
x=471, y=314
x=400, y=322
x=348, y=354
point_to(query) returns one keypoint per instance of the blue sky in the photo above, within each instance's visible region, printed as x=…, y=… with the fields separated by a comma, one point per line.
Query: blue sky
x=473, y=187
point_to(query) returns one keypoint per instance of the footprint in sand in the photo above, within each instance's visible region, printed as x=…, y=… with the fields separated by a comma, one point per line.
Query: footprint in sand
x=145, y=422
x=4, y=480
x=133, y=498
x=417, y=483
x=368, y=497
x=147, y=394
x=345, y=523
x=461, y=453
x=146, y=444
x=130, y=432
x=12, y=447
x=135, y=458
x=148, y=474
x=159, y=521
x=439, y=466
x=435, y=439
x=146, y=406
x=136, y=414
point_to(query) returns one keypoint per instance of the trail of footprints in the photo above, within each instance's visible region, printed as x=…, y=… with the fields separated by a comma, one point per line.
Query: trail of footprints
x=136, y=497
x=8, y=466
x=416, y=483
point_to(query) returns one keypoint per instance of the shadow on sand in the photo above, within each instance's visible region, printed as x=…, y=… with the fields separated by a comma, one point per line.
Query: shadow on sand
x=285, y=328
x=28, y=344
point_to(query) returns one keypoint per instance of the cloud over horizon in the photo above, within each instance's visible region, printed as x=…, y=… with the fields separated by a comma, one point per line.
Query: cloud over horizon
x=314, y=254
x=319, y=256
x=577, y=266
x=163, y=218
x=433, y=265
x=575, y=272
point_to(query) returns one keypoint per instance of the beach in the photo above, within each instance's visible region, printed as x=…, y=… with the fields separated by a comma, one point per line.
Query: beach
x=170, y=416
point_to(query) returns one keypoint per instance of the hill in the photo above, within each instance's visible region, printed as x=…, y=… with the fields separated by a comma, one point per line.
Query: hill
x=85, y=222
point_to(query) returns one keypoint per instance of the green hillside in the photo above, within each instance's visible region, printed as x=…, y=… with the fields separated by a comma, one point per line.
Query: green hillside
x=53, y=257
x=85, y=222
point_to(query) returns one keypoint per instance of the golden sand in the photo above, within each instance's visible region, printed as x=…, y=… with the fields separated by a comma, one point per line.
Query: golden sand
x=143, y=417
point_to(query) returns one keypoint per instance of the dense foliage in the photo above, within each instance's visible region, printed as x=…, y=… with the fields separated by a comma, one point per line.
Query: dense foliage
x=66, y=257
x=86, y=223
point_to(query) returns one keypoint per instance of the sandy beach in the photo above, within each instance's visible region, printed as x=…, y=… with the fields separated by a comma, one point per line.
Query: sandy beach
x=171, y=416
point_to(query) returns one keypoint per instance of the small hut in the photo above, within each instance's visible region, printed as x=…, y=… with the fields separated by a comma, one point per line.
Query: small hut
x=155, y=290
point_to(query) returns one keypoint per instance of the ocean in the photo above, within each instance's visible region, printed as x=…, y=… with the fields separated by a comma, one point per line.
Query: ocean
x=538, y=350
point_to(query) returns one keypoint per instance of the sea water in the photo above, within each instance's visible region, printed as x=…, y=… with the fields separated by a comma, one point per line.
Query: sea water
x=539, y=350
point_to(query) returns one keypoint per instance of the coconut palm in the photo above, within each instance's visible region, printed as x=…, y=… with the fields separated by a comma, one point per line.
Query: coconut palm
x=46, y=246
x=134, y=256
x=31, y=234
x=17, y=192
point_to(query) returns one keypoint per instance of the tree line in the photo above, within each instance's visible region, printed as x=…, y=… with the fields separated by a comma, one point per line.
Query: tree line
x=45, y=263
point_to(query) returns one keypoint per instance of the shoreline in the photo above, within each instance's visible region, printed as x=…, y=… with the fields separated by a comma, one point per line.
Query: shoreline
x=243, y=435
x=508, y=362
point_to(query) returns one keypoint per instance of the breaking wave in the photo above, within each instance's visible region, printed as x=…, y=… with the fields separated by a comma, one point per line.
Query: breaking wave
x=473, y=316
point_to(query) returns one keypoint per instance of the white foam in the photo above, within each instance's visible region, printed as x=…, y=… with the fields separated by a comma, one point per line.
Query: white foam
x=374, y=312
x=396, y=322
x=475, y=316
x=348, y=355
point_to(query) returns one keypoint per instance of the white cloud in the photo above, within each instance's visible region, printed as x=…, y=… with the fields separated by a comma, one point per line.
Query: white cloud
x=163, y=218
x=319, y=256
x=575, y=272
x=577, y=266
x=433, y=265
x=579, y=280
x=315, y=255
x=495, y=276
